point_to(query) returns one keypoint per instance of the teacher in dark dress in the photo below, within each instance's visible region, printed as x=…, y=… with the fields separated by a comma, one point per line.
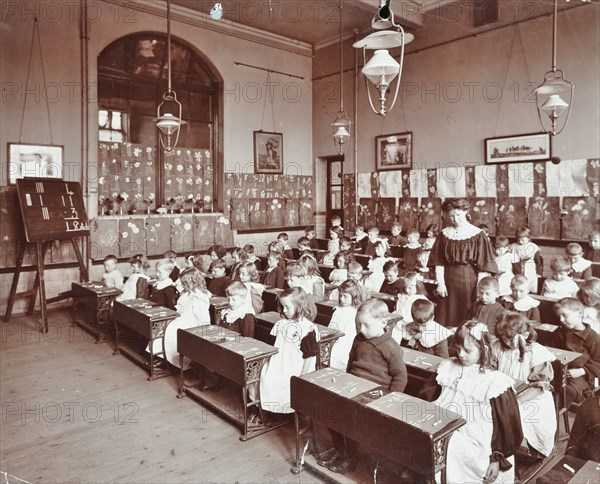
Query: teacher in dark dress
x=459, y=254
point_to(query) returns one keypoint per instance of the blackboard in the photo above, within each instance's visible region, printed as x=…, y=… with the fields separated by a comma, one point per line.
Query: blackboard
x=51, y=209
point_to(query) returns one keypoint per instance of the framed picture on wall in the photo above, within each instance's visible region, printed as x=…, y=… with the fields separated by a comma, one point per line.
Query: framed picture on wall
x=40, y=161
x=518, y=148
x=268, y=152
x=393, y=151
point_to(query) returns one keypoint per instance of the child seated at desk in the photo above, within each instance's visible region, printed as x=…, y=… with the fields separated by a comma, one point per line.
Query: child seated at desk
x=249, y=277
x=424, y=334
x=312, y=282
x=340, y=273
x=250, y=256
x=593, y=252
x=504, y=261
x=375, y=280
x=344, y=320
x=304, y=244
x=164, y=293
x=376, y=357
x=412, y=239
x=519, y=356
x=239, y=317
x=219, y=282
x=216, y=252
x=392, y=284
x=483, y=449
x=412, y=290
x=333, y=246
x=311, y=234
x=520, y=301
x=171, y=255
x=560, y=284
x=238, y=255
x=136, y=286
x=193, y=308
x=431, y=231
x=372, y=238
x=574, y=335
x=527, y=259
x=396, y=238
x=360, y=239
x=274, y=275
x=589, y=295
x=283, y=241
x=296, y=339
x=346, y=245
x=355, y=273
x=486, y=309
x=580, y=268
x=425, y=273
x=112, y=277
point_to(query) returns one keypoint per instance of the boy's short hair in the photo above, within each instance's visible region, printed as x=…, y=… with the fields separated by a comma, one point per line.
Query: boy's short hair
x=303, y=241
x=560, y=264
x=422, y=310
x=111, y=257
x=397, y=225
x=170, y=254
x=489, y=283
x=166, y=263
x=359, y=227
x=502, y=241
x=217, y=264
x=589, y=292
x=283, y=236
x=523, y=232
x=519, y=280
x=355, y=267
x=374, y=230
x=236, y=288
x=390, y=266
x=570, y=304
x=249, y=249
x=293, y=269
x=573, y=249
x=376, y=308
x=310, y=228
x=413, y=232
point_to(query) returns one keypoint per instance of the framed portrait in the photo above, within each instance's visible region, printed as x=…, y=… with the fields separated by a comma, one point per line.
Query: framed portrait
x=41, y=161
x=519, y=148
x=268, y=152
x=393, y=151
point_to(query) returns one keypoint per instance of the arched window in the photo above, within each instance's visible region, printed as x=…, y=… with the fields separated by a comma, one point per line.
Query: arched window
x=132, y=76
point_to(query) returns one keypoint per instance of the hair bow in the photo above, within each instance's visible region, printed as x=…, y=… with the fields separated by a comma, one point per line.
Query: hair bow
x=477, y=330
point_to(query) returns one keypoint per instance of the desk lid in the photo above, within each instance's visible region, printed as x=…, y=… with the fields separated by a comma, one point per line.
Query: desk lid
x=235, y=342
x=98, y=287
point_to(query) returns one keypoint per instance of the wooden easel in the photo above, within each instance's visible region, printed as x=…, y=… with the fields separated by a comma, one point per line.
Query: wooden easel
x=51, y=209
x=39, y=284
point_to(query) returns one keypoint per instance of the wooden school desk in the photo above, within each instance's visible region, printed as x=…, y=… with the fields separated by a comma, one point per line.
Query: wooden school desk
x=234, y=357
x=96, y=300
x=328, y=336
x=270, y=297
x=387, y=298
x=571, y=470
x=149, y=320
x=216, y=307
x=410, y=431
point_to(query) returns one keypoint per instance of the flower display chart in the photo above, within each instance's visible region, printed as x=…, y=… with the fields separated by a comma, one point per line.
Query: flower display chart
x=366, y=212
x=158, y=235
x=483, y=211
x=291, y=213
x=430, y=212
x=512, y=214
x=258, y=213
x=275, y=212
x=543, y=216
x=408, y=213
x=182, y=239
x=579, y=217
x=306, y=211
x=203, y=231
x=104, y=238
x=223, y=234
x=239, y=213
x=132, y=236
x=386, y=213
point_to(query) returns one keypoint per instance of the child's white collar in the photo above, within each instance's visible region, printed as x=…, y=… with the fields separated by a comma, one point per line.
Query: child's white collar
x=581, y=265
x=524, y=304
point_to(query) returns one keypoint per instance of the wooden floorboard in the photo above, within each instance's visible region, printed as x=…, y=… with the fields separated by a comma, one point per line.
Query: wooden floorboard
x=74, y=412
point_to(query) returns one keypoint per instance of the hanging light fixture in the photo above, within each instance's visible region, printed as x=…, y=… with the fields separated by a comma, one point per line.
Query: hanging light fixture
x=341, y=125
x=169, y=125
x=382, y=68
x=550, y=105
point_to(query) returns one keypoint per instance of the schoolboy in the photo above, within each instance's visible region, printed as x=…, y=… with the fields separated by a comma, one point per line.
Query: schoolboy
x=164, y=293
x=238, y=317
x=355, y=273
x=396, y=238
x=274, y=275
x=286, y=250
x=112, y=277
x=593, y=252
x=251, y=256
x=424, y=334
x=374, y=356
x=373, y=236
x=412, y=239
x=336, y=221
x=486, y=309
x=346, y=245
x=172, y=256
x=304, y=244
x=574, y=335
x=360, y=239
x=310, y=235
x=560, y=284
x=219, y=282
x=392, y=284
x=580, y=268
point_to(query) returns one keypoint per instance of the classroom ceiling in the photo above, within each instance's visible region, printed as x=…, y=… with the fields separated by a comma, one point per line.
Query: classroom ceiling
x=316, y=22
